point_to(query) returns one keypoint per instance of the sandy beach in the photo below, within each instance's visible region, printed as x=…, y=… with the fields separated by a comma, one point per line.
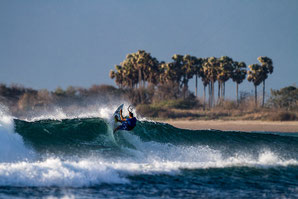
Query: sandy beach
x=269, y=126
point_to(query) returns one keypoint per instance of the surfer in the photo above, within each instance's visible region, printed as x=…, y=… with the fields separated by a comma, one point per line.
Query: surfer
x=127, y=123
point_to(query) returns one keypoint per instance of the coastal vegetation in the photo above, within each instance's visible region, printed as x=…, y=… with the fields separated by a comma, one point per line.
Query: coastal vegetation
x=281, y=106
x=140, y=70
x=160, y=89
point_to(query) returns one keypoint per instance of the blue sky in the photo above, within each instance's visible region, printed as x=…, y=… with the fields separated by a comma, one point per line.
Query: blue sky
x=46, y=44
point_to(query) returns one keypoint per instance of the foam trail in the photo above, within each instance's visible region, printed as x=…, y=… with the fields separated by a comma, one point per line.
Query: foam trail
x=12, y=147
x=96, y=170
x=54, y=171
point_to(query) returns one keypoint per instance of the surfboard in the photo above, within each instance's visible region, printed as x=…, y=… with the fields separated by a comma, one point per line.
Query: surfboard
x=117, y=112
x=112, y=123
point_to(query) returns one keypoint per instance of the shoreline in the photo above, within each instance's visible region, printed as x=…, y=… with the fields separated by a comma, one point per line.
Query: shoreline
x=237, y=125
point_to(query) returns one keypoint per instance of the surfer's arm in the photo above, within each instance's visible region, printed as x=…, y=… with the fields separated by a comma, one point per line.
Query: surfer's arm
x=121, y=116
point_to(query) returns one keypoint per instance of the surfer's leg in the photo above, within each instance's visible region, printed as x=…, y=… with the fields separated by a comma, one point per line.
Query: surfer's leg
x=123, y=126
x=116, y=129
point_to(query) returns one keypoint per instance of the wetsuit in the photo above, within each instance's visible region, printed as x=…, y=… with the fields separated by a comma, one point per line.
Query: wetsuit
x=128, y=124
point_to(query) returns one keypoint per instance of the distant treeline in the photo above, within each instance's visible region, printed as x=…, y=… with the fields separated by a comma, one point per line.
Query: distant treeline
x=22, y=101
x=141, y=70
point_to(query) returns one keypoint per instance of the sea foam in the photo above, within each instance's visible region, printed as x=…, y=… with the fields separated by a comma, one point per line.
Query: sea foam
x=92, y=171
x=12, y=147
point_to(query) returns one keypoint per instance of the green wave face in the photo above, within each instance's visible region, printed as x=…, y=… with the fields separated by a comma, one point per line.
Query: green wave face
x=94, y=135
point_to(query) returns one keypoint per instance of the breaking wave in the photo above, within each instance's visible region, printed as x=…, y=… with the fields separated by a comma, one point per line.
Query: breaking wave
x=83, y=151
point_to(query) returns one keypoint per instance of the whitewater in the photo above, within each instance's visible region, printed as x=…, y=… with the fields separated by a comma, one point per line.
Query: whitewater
x=55, y=155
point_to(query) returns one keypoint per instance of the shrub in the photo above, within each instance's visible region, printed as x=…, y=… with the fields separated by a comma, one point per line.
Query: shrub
x=284, y=116
x=165, y=114
x=147, y=110
x=285, y=98
x=188, y=103
x=167, y=92
x=228, y=105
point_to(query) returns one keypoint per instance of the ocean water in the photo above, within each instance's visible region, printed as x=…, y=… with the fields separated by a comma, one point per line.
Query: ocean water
x=62, y=156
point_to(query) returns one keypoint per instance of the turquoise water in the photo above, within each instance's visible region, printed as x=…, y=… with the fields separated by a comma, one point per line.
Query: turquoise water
x=81, y=158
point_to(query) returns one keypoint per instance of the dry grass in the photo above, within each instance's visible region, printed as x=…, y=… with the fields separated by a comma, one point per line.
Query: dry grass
x=220, y=114
x=225, y=110
x=232, y=114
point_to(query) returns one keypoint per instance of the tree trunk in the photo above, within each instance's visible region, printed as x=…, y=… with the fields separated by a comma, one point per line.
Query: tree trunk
x=144, y=81
x=237, y=93
x=224, y=90
x=184, y=88
x=212, y=90
x=204, y=97
x=218, y=91
x=256, y=97
x=140, y=78
x=263, y=93
x=196, y=86
x=209, y=95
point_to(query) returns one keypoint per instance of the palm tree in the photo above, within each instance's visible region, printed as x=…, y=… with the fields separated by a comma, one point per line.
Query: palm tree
x=112, y=74
x=129, y=74
x=210, y=69
x=176, y=65
x=117, y=75
x=134, y=63
x=259, y=73
x=169, y=78
x=198, y=72
x=267, y=67
x=163, y=68
x=169, y=73
x=224, y=73
x=152, y=71
x=238, y=74
x=206, y=82
x=137, y=69
x=188, y=70
x=202, y=72
x=136, y=59
x=255, y=75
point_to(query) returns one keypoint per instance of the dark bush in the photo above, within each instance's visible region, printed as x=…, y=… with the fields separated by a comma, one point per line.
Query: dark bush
x=167, y=91
x=284, y=116
x=147, y=111
x=166, y=114
x=286, y=98
x=188, y=103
